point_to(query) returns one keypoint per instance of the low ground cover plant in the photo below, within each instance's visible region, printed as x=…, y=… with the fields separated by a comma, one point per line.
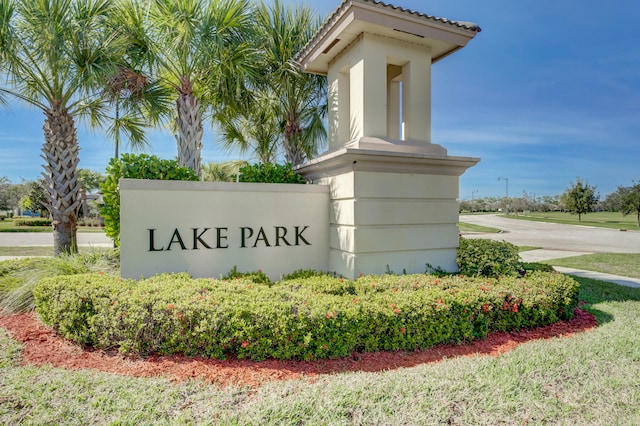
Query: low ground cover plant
x=301, y=318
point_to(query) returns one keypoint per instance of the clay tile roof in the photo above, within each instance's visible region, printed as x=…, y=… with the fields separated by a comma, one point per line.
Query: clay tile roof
x=470, y=26
x=461, y=24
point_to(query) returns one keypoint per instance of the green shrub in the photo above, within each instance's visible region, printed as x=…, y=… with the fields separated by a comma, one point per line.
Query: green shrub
x=270, y=173
x=38, y=221
x=316, y=317
x=487, y=258
x=132, y=166
x=257, y=277
x=308, y=273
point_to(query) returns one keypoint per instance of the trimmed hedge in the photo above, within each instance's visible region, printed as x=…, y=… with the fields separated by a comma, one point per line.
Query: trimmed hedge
x=317, y=317
x=32, y=222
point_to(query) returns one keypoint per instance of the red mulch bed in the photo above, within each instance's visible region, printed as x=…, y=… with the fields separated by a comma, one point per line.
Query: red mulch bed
x=43, y=347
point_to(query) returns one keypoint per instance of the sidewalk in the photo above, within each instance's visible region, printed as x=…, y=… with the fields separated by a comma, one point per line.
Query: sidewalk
x=16, y=239
x=616, y=279
x=544, y=254
x=45, y=239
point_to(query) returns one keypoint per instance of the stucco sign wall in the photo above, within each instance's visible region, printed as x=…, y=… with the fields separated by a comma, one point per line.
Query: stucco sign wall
x=207, y=228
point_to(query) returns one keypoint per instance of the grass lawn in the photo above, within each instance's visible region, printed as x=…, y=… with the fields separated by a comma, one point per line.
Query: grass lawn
x=624, y=264
x=587, y=378
x=600, y=219
x=470, y=227
x=526, y=248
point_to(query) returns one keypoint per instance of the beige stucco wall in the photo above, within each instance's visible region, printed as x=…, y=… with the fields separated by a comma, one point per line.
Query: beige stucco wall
x=396, y=221
x=224, y=208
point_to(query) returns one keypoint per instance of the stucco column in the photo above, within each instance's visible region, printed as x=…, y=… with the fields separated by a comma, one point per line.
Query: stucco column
x=333, y=107
x=339, y=114
x=393, y=125
x=344, y=110
x=416, y=98
x=368, y=91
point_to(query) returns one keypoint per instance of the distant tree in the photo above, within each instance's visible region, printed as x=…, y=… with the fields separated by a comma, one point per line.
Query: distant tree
x=36, y=198
x=464, y=206
x=630, y=202
x=10, y=193
x=90, y=180
x=519, y=203
x=551, y=202
x=580, y=198
x=5, y=193
x=221, y=172
x=613, y=201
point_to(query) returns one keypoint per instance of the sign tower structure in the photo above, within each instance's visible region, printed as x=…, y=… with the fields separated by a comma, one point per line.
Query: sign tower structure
x=393, y=193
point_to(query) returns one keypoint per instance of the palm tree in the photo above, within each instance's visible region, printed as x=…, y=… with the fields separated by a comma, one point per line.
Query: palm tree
x=126, y=85
x=201, y=54
x=252, y=127
x=137, y=101
x=302, y=98
x=56, y=54
x=222, y=172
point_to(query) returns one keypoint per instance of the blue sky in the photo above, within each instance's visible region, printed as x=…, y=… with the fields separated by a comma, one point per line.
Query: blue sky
x=547, y=92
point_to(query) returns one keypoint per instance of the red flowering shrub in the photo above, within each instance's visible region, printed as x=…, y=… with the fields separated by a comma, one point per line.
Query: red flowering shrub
x=306, y=318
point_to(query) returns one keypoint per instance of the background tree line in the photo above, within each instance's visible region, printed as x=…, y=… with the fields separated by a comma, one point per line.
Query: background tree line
x=579, y=198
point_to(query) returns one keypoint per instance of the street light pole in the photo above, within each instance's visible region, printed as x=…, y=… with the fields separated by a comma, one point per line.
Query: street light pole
x=507, y=197
x=472, y=192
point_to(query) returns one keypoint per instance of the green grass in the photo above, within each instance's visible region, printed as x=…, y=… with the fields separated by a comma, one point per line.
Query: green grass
x=470, y=227
x=587, y=378
x=526, y=248
x=599, y=219
x=624, y=264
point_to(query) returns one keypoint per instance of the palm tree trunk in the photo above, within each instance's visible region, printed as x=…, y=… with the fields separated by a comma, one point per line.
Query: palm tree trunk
x=117, y=134
x=293, y=153
x=60, y=151
x=292, y=150
x=189, y=135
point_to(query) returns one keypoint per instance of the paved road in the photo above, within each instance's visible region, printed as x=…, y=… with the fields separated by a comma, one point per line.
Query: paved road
x=12, y=239
x=553, y=237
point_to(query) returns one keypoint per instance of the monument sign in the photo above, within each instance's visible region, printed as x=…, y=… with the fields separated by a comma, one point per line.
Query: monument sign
x=207, y=228
x=384, y=196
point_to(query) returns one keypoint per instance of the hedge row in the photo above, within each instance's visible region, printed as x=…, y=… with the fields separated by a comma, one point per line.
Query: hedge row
x=317, y=317
x=32, y=222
